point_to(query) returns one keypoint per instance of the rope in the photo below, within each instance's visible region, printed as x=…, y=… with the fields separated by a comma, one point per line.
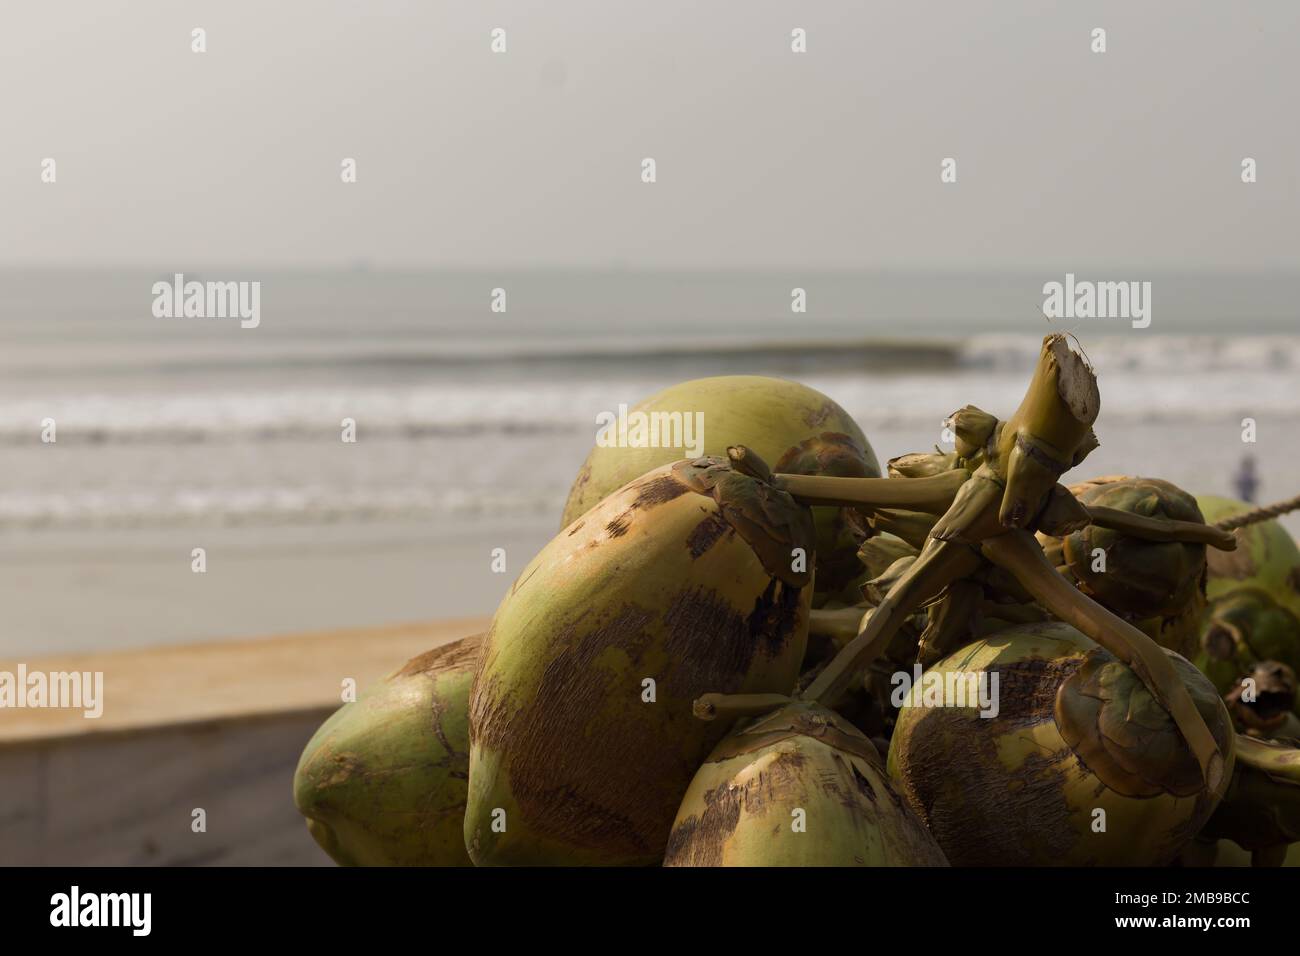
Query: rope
x=1256, y=515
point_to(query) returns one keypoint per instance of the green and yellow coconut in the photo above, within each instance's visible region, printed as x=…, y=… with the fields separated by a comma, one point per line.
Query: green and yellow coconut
x=384, y=780
x=1266, y=558
x=1159, y=586
x=1254, y=599
x=794, y=428
x=691, y=579
x=1076, y=764
x=797, y=787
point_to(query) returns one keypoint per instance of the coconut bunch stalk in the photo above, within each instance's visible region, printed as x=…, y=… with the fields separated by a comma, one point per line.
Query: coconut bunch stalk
x=884, y=557
x=1154, y=576
x=877, y=548
x=829, y=629
x=989, y=513
x=865, y=705
x=988, y=600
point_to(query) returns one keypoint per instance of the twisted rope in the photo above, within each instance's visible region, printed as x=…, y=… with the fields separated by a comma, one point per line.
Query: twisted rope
x=1256, y=515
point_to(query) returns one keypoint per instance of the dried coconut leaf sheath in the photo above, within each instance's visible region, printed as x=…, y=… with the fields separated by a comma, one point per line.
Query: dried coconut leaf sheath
x=767, y=518
x=972, y=428
x=952, y=621
x=912, y=527
x=878, y=553
x=922, y=465
x=1063, y=513
x=973, y=515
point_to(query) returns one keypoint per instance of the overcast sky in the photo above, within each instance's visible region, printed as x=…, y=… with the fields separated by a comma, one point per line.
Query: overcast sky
x=766, y=158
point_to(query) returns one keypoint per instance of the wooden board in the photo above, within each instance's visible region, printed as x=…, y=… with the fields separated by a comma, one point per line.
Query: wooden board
x=216, y=727
x=225, y=680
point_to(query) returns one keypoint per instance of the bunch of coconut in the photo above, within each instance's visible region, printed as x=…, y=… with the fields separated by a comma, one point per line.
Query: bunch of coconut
x=567, y=734
x=769, y=654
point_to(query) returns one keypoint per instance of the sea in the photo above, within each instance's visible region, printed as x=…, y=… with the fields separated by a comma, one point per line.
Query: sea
x=471, y=422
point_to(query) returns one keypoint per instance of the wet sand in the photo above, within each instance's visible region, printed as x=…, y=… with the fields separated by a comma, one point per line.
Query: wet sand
x=63, y=593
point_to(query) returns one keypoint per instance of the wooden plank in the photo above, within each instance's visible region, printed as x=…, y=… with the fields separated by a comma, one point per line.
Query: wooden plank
x=226, y=680
x=130, y=799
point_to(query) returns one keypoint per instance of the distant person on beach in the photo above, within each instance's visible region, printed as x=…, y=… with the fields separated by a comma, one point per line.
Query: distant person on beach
x=1247, y=480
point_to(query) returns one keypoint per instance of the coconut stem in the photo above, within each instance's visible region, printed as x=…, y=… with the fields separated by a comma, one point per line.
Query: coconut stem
x=1019, y=553
x=840, y=624
x=1256, y=515
x=932, y=495
x=747, y=462
x=715, y=706
x=1280, y=762
x=1162, y=529
x=1045, y=434
x=940, y=563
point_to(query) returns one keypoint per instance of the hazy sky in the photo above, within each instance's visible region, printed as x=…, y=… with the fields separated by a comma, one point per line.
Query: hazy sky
x=828, y=159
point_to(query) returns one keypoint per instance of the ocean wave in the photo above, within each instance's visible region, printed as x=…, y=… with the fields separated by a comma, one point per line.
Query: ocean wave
x=1144, y=378
x=262, y=506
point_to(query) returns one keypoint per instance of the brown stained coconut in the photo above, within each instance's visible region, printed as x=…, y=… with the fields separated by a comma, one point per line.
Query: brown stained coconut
x=804, y=759
x=684, y=576
x=1075, y=732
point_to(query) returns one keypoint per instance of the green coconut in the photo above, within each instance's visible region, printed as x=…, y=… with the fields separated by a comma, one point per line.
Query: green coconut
x=1241, y=629
x=796, y=429
x=1266, y=559
x=384, y=780
x=1079, y=766
x=797, y=787
x=1254, y=599
x=1159, y=586
x=582, y=733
